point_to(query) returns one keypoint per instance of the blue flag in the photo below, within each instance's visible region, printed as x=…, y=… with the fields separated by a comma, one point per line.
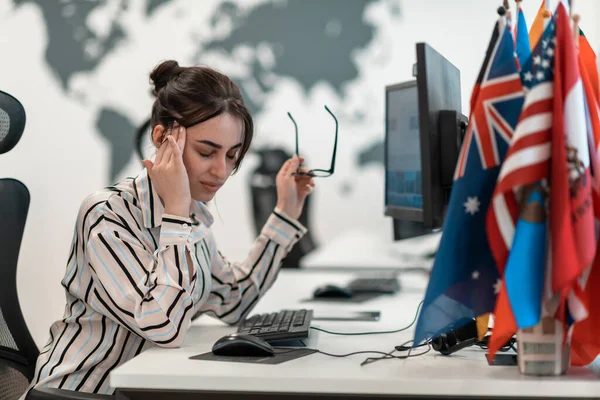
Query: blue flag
x=526, y=264
x=522, y=38
x=464, y=277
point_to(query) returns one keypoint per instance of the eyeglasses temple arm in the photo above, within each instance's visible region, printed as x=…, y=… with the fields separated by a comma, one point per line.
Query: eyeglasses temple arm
x=296, y=128
x=335, y=141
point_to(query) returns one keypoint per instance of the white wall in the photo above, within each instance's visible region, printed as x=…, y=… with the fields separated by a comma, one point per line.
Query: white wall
x=61, y=158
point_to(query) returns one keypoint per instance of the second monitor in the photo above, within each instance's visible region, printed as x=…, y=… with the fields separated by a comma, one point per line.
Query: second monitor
x=424, y=130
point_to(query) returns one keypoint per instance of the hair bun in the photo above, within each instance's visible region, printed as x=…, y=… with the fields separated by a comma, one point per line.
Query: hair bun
x=163, y=73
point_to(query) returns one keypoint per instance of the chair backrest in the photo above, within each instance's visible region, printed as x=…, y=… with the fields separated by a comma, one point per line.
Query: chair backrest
x=264, y=200
x=13, y=382
x=12, y=121
x=16, y=343
x=18, y=351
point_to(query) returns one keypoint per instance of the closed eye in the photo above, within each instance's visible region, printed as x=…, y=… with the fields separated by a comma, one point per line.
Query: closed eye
x=208, y=155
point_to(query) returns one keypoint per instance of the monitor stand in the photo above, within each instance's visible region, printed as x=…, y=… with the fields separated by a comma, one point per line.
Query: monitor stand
x=404, y=230
x=408, y=229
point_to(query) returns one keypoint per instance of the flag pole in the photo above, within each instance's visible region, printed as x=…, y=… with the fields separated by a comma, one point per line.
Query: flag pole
x=517, y=9
x=508, y=14
x=502, y=13
x=571, y=9
x=547, y=11
x=576, y=19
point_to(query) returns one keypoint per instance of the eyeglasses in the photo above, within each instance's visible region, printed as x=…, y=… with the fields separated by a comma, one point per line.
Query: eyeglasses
x=318, y=173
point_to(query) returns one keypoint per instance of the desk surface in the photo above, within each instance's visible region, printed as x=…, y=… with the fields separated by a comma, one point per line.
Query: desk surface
x=463, y=374
x=356, y=249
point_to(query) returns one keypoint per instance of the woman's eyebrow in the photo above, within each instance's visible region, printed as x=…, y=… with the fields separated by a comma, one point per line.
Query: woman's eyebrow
x=218, y=146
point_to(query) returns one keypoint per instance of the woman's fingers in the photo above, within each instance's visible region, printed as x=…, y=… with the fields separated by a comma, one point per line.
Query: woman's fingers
x=173, y=150
x=174, y=132
x=285, y=168
x=163, y=146
x=305, y=189
x=161, y=152
x=303, y=174
x=148, y=164
x=166, y=154
x=181, y=138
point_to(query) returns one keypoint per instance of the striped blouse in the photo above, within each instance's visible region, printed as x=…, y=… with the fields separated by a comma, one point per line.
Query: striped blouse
x=128, y=285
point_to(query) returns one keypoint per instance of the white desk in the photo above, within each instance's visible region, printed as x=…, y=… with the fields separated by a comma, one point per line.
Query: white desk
x=356, y=250
x=169, y=373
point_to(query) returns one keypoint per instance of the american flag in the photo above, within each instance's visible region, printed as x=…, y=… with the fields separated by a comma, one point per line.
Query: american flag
x=527, y=160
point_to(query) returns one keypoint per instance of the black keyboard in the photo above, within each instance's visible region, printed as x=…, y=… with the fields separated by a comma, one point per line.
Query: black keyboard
x=374, y=285
x=282, y=325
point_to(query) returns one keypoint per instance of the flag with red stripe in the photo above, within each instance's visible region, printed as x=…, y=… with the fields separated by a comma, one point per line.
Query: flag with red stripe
x=571, y=212
x=510, y=228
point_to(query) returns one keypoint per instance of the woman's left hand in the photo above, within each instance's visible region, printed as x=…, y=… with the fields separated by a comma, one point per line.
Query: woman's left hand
x=292, y=190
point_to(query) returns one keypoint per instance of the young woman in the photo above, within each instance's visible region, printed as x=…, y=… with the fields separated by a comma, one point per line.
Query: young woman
x=143, y=259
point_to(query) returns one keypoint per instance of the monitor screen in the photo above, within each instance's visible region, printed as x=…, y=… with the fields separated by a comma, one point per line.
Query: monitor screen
x=404, y=187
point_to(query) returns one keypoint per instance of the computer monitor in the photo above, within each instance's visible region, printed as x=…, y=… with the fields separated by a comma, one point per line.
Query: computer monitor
x=424, y=128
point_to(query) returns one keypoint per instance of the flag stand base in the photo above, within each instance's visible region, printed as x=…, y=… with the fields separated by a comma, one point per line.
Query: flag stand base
x=541, y=350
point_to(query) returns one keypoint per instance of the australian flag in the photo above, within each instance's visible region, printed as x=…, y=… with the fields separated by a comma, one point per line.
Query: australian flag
x=465, y=280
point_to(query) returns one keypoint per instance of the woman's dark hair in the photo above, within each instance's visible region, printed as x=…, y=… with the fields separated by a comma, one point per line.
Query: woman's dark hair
x=191, y=95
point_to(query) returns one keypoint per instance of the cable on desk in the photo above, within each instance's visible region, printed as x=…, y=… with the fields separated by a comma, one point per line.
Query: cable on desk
x=384, y=355
x=353, y=353
x=510, y=344
x=372, y=333
x=402, y=347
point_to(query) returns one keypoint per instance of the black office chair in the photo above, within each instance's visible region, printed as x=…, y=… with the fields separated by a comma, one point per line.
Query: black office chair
x=18, y=351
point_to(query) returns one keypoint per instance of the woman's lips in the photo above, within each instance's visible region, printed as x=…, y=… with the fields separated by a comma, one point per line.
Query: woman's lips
x=210, y=187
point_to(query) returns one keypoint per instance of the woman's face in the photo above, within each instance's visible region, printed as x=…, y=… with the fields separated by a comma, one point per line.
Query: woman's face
x=211, y=152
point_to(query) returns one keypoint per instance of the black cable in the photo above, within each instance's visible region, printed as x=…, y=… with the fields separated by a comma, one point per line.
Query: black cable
x=408, y=348
x=372, y=333
x=389, y=355
x=510, y=344
x=385, y=356
x=352, y=354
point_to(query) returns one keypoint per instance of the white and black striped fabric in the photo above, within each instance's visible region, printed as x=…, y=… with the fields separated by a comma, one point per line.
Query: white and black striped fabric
x=128, y=287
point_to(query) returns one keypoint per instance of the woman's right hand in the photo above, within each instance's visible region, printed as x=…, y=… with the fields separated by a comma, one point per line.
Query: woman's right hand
x=169, y=175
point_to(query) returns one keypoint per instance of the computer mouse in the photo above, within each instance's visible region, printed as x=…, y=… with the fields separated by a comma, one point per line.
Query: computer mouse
x=242, y=345
x=328, y=291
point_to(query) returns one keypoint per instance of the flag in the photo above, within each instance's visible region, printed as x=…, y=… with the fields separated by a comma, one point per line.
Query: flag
x=517, y=232
x=589, y=77
x=539, y=24
x=571, y=212
x=587, y=59
x=585, y=340
x=461, y=285
x=522, y=38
